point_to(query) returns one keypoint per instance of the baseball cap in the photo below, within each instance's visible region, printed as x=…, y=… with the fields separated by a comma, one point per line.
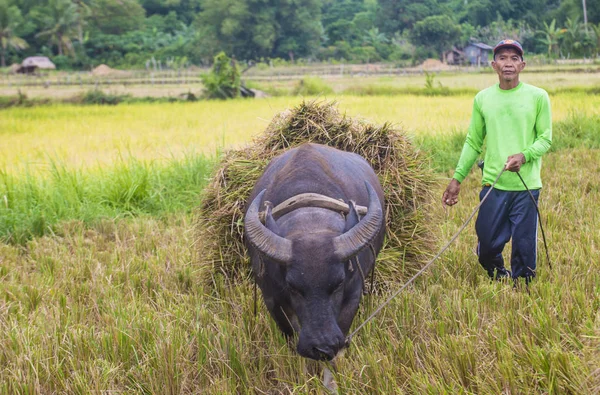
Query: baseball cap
x=509, y=44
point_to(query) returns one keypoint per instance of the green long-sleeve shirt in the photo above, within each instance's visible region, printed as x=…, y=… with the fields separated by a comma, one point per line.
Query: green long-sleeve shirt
x=513, y=121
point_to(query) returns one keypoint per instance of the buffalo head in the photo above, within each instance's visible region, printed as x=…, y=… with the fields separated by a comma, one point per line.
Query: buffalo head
x=312, y=252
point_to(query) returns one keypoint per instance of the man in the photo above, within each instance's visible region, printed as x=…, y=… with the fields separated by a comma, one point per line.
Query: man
x=515, y=120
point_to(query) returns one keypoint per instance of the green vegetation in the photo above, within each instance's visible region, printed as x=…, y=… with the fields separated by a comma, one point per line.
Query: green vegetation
x=101, y=290
x=223, y=80
x=171, y=34
x=91, y=97
x=34, y=205
x=312, y=86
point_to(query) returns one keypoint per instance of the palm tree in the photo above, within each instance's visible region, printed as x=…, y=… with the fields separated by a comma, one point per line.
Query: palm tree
x=596, y=29
x=9, y=17
x=585, y=20
x=61, y=24
x=551, y=36
x=83, y=11
x=373, y=37
x=573, y=35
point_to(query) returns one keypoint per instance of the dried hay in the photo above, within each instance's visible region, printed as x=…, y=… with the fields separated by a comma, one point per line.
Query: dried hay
x=104, y=70
x=404, y=176
x=434, y=65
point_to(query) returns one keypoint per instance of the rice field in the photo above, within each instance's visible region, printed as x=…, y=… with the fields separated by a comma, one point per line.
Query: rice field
x=100, y=291
x=99, y=135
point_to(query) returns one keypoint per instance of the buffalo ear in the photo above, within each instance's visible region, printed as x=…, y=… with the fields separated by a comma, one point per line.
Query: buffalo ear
x=352, y=217
x=269, y=220
x=360, y=236
x=264, y=240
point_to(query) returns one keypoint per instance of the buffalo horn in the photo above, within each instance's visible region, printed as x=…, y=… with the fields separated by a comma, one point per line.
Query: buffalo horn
x=353, y=241
x=267, y=242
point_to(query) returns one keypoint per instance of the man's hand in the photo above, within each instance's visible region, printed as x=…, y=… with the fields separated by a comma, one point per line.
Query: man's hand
x=450, y=196
x=514, y=162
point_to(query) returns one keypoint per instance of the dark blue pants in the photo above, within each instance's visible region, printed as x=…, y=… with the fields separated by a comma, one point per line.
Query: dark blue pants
x=503, y=215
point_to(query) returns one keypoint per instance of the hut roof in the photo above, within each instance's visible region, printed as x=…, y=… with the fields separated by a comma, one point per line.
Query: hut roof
x=481, y=46
x=41, y=62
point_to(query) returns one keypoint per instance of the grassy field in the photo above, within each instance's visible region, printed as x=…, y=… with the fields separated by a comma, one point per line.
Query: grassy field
x=102, y=134
x=99, y=291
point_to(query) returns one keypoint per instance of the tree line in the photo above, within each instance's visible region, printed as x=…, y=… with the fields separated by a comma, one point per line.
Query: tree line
x=80, y=34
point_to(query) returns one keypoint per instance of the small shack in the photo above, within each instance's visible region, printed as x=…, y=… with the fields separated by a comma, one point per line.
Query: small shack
x=478, y=54
x=454, y=56
x=33, y=63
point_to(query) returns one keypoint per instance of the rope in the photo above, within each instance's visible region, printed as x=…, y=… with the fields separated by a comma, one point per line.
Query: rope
x=413, y=278
x=540, y=218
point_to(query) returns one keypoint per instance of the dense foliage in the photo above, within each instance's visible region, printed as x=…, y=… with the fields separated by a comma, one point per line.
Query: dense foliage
x=172, y=33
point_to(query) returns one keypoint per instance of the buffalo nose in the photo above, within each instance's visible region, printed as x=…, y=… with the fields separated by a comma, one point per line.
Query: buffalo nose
x=326, y=354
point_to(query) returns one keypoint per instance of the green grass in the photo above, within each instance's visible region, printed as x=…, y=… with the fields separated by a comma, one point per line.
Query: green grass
x=32, y=205
x=312, y=86
x=120, y=305
x=106, y=296
x=390, y=90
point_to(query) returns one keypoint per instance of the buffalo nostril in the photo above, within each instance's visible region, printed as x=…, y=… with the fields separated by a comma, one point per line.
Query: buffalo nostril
x=326, y=355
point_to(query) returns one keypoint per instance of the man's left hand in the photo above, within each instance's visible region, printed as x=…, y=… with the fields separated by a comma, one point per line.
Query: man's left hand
x=514, y=162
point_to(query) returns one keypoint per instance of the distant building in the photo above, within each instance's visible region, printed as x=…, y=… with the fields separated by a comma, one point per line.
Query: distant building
x=454, y=57
x=478, y=54
x=32, y=63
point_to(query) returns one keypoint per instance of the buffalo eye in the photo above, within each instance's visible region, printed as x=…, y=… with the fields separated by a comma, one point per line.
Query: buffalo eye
x=294, y=289
x=337, y=286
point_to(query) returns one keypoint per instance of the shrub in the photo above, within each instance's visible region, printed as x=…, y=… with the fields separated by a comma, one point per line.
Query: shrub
x=96, y=96
x=223, y=81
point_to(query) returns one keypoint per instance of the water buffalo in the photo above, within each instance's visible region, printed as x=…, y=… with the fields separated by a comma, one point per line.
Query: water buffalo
x=310, y=262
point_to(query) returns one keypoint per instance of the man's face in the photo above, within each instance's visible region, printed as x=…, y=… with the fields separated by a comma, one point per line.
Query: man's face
x=508, y=64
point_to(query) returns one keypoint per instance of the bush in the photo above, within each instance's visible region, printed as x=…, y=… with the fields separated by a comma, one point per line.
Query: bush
x=62, y=62
x=96, y=96
x=365, y=54
x=223, y=81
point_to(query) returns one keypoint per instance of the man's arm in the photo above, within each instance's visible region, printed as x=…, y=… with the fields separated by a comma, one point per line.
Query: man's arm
x=471, y=150
x=543, y=130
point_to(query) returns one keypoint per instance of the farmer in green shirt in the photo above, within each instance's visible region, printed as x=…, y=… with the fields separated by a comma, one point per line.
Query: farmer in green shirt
x=515, y=120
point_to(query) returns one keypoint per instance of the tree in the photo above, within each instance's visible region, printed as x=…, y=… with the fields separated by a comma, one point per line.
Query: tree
x=83, y=11
x=117, y=16
x=299, y=28
x=186, y=10
x=550, y=37
x=10, y=18
x=60, y=24
x=398, y=15
x=252, y=29
x=437, y=32
x=596, y=29
x=374, y=38
x=226, y=24
x=572, y=37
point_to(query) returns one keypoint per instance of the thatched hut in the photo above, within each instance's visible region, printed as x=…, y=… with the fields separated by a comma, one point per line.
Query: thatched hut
x=405, y=178
x=33, y=63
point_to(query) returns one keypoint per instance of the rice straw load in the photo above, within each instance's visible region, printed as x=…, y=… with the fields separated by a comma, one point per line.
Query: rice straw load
x=405, y=178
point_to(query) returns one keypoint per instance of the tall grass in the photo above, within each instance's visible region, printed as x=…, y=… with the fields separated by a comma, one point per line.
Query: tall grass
x=33, y=204
x=106, y=297
x=96, y=135
x=119, y=306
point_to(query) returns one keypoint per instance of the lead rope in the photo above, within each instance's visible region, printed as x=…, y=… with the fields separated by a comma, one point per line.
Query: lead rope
x=413, y=278
x=540, y=220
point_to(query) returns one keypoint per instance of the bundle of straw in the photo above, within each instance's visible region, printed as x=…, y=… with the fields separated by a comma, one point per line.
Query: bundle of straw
x=404, y=176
